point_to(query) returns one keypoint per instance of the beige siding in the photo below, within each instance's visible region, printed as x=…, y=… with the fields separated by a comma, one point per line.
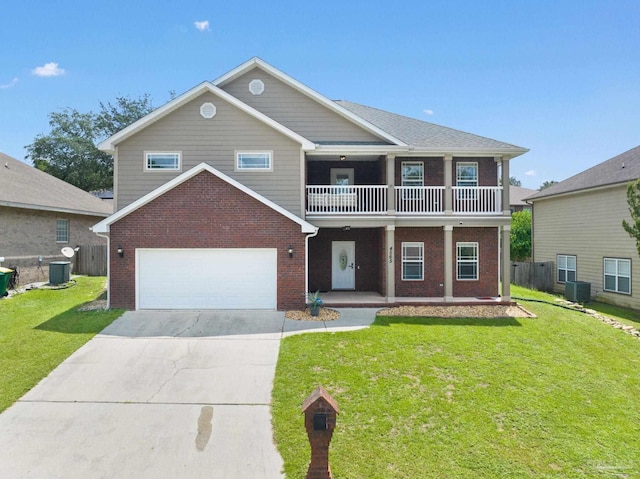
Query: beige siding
x=589, y=226
x=215, y=142
x=297, y=111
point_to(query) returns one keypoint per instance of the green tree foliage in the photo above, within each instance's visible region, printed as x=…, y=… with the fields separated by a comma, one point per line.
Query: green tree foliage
x=68, y=152
x=513, y=181
x=547, y=184
x=521, y=236
x=633, y=200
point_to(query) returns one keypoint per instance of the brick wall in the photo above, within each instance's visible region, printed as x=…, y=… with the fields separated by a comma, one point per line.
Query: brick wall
x=27, y=234
x=487, y=284
x=206, y=212
x=487, y=170
x=433, y=170
x=433, y=283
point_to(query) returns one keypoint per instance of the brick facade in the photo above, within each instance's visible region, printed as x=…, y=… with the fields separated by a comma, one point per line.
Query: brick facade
x=433, y=283
x=207, y=212
x=487, y=283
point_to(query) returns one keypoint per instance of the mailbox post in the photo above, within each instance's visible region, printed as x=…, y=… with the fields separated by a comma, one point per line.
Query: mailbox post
x=320, y=411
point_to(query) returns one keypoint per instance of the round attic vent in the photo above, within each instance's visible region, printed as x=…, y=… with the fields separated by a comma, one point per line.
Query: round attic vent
x=256, y=87
x=208, y=110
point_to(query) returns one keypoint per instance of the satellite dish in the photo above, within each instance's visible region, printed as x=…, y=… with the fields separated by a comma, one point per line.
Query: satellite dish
x=67, y=252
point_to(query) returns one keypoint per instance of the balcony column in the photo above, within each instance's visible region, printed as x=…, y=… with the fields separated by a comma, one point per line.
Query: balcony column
x=390, y=263
x=448, y=184
x=391, y=182
x=506, y=263
x=506, y=201
x=448, y=263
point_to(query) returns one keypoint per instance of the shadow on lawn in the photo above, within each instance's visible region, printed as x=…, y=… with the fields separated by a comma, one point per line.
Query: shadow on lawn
x=389, y=320
x=73, y=321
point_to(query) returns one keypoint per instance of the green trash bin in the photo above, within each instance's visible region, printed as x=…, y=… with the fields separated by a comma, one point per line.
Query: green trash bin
x=5, y=277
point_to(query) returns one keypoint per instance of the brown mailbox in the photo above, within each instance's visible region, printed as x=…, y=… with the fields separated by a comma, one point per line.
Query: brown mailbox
x=320, y=411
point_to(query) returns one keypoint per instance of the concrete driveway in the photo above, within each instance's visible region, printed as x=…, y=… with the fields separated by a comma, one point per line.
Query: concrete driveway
x=159, y=394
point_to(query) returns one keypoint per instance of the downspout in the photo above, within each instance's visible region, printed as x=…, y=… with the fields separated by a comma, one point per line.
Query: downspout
x=306, y=262
x=108, y=238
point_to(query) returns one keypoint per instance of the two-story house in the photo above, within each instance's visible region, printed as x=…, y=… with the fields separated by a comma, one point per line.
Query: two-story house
x=251, y=190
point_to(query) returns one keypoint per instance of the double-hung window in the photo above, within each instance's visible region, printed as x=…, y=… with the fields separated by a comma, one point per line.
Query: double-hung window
x=254, y=161
x=566, y=266
x=466, y=180
x=412, y=177
x=467, y=263
x=162, y=161
x=412, y=261
x=62, y=231
x=617, y=275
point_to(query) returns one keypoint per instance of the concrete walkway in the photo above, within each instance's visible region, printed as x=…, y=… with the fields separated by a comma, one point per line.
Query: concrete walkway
x=160, y=395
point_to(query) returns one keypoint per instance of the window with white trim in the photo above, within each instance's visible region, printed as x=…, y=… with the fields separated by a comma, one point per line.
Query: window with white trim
x=467, y=261
x=617, y=275
x=254, y=160
x=412, y=261
x=566, y=267
x=466, y=180
x=412, y=175
x=165, y=161
x=62, y=231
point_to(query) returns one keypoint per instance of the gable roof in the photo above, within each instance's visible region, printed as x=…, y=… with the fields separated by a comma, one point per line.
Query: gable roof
x=103, y=226
x=620, y=169
x=256, y=62
x=426, y=136
x=517, y=195
x=23, y=186
x=110, y=143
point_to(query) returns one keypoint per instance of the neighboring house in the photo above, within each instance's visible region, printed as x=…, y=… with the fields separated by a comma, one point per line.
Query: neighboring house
x=577, y=224
x=517, y=195
x=249, y=191
x=41, y=214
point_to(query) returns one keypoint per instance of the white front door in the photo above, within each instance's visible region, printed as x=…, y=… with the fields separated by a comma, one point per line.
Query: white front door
x=343, y=265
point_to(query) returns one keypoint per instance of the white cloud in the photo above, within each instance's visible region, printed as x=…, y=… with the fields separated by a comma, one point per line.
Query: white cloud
x=11, y=84
x=48, y=70
x=428, y=112
x=530, y=173
x=203, y=26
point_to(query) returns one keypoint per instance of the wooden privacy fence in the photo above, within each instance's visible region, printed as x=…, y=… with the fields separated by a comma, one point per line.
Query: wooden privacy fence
x=533, y=275
x=91, y=260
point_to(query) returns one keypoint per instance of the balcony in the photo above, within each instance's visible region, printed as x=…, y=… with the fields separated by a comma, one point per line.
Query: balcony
x=408, y=200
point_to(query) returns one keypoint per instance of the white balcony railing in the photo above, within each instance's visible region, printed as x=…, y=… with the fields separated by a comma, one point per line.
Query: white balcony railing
x=365, y=199
x=409, y=200
x=477, y=199
x=419, y=199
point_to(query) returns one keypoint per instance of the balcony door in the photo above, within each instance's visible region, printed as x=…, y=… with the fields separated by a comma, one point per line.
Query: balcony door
x=343, y=269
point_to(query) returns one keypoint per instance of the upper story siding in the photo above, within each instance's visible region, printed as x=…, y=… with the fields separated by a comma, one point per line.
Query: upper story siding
x=296, y=111
x=213, y=141
x=589, y=226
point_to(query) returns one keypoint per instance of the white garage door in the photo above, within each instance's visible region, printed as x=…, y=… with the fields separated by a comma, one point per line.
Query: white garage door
x=206, y=278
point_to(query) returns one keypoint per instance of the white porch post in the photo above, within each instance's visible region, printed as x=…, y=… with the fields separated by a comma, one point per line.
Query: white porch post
x=390, y=263
x=506, y=201
x=448, y=184
x=448, y=263
x=506, y=263
x=391, y=182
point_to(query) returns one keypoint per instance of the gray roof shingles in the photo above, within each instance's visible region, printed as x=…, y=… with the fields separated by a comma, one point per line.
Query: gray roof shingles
x=618, y=170
x=24, y=186
x=422, y=134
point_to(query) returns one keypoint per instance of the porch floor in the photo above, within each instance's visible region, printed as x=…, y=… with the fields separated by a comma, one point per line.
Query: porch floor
x=373, y=298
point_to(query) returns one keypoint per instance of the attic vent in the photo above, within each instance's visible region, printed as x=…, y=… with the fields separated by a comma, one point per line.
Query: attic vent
x=256, y=87
x=208, y=110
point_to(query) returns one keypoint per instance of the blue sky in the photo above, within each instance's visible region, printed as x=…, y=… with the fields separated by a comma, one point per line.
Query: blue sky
x=561, y=78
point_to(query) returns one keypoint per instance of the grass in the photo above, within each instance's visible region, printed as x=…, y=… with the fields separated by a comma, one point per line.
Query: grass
x=546, y=397
x=41, y=328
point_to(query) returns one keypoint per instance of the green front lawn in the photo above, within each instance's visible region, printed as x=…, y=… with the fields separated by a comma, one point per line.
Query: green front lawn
x=552, y=396
x=39, y=329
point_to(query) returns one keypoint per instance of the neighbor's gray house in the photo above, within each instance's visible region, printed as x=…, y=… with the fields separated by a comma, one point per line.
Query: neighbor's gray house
x=577, y=224
x=253, y=189
x=41, y=214
x=517, y=196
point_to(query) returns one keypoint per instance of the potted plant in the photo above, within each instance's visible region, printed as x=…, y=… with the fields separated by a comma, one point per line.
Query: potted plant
x=314, y=303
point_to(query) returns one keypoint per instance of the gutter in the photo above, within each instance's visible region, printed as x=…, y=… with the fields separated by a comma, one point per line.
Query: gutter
x=306, y=262
x=108, y=238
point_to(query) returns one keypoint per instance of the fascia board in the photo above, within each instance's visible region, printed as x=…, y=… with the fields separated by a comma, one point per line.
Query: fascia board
x=292, y=82
x=103, y=226
x=110, y=143
x=11, y=204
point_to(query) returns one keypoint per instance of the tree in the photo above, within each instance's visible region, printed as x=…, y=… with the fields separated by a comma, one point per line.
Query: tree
x=513, y=181
x=633, y=200
x=547, y=184
x=520, y=237
x=68, y=152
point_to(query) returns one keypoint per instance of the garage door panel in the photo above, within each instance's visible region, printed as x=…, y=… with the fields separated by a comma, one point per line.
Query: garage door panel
x=207, y=278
